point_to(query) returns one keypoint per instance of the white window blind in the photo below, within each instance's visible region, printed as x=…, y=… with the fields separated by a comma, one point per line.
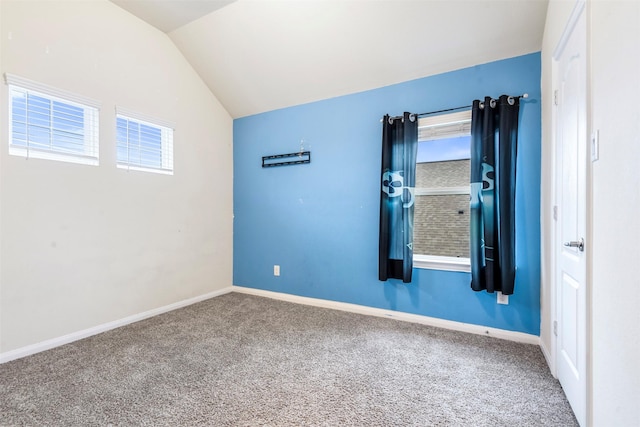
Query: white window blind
x=444, y=126
x=143, y=143
x=49, y=123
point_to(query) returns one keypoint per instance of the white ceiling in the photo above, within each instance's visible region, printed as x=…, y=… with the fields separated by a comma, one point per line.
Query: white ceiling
x=261, y=55
x=167, y=15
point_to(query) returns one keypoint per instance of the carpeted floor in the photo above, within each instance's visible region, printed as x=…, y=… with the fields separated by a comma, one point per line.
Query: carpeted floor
x=241, y=360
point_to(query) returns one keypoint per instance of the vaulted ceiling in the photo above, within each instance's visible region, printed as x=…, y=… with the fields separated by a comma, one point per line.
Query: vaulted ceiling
x=261, y=55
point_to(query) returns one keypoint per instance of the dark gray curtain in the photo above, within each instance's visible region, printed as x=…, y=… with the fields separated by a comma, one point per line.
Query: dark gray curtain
x=494, y=140
x=399, y=151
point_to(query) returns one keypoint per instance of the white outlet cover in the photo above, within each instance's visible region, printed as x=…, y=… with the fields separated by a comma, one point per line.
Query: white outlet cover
x=503, y=299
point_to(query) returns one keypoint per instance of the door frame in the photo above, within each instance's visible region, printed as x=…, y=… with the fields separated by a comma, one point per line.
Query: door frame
x=580, y=7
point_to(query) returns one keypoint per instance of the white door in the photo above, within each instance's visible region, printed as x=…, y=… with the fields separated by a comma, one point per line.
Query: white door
x=571, y=249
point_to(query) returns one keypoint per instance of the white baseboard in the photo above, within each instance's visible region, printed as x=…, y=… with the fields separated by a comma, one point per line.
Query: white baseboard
x=397, y=315
x=546, y=352
x=75, y=336
x=353, y=308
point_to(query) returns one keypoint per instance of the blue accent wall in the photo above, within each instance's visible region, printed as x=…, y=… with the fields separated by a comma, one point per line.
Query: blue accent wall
x=319, y=221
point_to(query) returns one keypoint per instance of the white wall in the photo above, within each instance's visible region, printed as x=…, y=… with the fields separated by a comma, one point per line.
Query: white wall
x=86, y=245
x=614, y=302
x=615, y=292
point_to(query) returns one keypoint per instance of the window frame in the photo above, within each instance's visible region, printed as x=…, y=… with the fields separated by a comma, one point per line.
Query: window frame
x=167, y=131
x=452, y=124
x=91, y=122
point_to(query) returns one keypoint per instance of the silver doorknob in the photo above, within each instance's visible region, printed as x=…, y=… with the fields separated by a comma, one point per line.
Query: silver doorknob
x=576, y=244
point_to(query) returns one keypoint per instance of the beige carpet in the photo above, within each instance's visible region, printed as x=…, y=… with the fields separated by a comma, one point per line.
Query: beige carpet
x=240, y=360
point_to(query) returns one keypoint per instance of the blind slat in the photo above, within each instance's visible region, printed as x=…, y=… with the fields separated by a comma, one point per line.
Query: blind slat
x=449, y=125
x=30, y=85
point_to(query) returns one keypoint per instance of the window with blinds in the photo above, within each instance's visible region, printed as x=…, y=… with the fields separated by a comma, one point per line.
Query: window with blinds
x=441, y=213
x=143, y=144
x=48, y=123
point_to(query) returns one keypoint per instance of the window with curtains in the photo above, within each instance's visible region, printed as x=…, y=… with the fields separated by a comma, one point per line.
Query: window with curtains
x=441, y=215
x=48, y=123
x=143, y=144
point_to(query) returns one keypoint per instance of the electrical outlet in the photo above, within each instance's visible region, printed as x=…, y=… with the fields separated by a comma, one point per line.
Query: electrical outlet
x=276, y=270
x=503, y=299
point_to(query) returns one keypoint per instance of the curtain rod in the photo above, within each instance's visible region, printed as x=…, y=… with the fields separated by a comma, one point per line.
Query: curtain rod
x=445, y=110
x=524, y=95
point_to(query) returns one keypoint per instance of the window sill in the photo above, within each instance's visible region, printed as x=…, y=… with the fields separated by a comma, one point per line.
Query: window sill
x=445, y=263
x=144, y=169
x=32, y=153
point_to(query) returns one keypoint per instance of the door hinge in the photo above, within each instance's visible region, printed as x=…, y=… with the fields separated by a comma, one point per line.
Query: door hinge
x=555, y=97
x=555, y=213
x=555, y=328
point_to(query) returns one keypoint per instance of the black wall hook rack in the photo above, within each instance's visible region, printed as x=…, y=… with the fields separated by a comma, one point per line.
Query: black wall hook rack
x=298, y=158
